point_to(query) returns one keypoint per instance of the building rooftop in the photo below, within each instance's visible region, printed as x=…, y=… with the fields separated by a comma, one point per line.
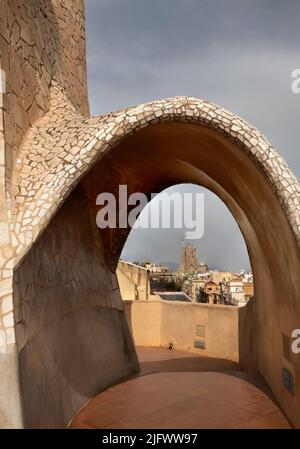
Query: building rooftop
x=174, y=296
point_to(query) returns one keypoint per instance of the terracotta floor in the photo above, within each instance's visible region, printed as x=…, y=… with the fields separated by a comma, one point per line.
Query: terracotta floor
x=181, y=390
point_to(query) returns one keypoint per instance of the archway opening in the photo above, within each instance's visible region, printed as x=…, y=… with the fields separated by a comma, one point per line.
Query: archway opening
x=185, y=246
x=184, y=272
x=168, y=223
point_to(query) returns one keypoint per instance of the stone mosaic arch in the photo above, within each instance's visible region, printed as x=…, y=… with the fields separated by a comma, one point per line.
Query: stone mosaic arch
x=63, y=146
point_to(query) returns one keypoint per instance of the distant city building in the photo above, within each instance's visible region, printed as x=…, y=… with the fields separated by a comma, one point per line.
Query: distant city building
x=197, y=290
x=248, y=290
x=189, y=259
x=159, y=282
x=222, y=276
x=213, y=292
x=236, y=289
x=202, y=267
x=247, y=277
x=153, y=268
x=143, y=281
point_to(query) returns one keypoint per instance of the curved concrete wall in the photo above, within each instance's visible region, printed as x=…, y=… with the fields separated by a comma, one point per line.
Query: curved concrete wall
x=73, y=339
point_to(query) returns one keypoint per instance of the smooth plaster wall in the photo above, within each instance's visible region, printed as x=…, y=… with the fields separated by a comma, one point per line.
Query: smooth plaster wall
x=133, y=281
x=221, y=328
x=159, y=322
x=72, y=336
x=145, y=322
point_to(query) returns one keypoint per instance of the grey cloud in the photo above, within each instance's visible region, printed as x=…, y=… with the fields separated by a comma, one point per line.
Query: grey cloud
x=236, y=53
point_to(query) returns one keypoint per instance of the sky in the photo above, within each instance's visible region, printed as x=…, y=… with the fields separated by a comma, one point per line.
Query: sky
x=237, y=53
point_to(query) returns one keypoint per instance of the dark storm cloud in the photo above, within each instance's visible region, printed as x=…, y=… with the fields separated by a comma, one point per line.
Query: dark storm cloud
x=236, y=53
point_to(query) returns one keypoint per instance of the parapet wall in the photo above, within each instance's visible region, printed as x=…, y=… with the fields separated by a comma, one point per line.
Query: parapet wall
x=134, y=281
x=159, y=323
